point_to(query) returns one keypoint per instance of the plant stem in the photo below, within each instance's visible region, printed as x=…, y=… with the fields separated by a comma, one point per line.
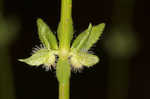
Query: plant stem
x=66, y=10
x=65, y=28
x=63, y=75
x=65, y=33
x=64, y=90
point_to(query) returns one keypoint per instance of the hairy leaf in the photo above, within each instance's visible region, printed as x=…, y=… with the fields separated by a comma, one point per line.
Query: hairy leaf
x=80, y=59
x=94, y=36
x=81, y=40
x=88, y=59
x=42, y=56
x=46, y=35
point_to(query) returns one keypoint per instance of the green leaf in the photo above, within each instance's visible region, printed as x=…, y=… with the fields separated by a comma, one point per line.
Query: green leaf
x=63, y=70
x=81, y=40
x=42, y=56
x=88, y=59
x=83, y=59
x=94, y=36
x=46, y=35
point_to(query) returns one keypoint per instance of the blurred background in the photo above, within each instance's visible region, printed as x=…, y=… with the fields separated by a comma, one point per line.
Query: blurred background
x=124, y=68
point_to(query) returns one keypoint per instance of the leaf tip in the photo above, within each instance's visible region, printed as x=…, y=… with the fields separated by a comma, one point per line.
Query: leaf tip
x=21, y=60
x=102, y=25
x=39, y=21
x=90, y=24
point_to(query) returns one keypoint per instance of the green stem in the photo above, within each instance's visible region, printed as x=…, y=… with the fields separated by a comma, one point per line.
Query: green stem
x=65, y=33
x=63, y=75
x=65, y=28
x=64, y=90
x=66, y=10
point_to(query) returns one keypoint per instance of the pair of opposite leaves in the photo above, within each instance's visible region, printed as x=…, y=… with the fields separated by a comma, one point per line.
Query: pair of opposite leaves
x=78, y=55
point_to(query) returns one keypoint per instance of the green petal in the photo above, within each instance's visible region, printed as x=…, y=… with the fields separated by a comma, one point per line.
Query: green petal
x=42, y=56
x=46, y=35
x=94, y=36
x=81, y=40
